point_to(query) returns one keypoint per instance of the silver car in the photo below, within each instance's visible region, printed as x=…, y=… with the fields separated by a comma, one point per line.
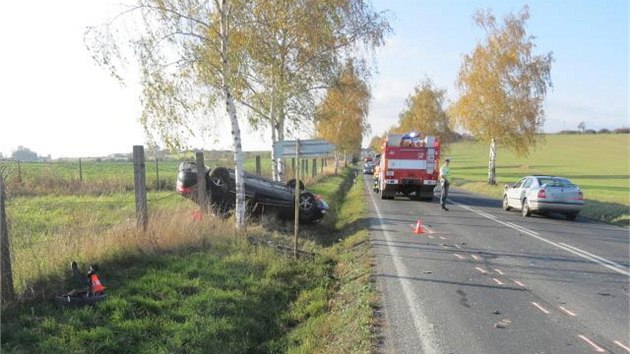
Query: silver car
x=543, y=194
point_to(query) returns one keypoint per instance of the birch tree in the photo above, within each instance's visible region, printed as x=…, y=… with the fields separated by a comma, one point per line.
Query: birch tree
x=503, y=86
x=190, y=57
x=375, y=143
x=296, y=53
x=342, y=116
x=424, y=111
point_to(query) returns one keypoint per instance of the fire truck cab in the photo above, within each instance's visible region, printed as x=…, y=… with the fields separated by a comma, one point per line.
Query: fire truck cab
x=409, y=165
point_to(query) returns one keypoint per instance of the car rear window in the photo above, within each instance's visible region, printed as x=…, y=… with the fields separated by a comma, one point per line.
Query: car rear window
x=556, y=182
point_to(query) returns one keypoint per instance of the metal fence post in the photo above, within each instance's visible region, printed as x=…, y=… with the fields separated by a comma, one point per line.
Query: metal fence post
x=258, y=171
x=314, y=168
x=140, y=187
x=297, y=199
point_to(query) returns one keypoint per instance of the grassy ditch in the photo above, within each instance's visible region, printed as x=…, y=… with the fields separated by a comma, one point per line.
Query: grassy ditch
x=597, y=163
x=344, y=322
x=193, y=287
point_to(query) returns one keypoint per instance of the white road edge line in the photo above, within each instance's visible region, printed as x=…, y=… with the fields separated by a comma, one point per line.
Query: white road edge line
x=420, y=322
x=593, y=255
x=567, y=311
x=621, y=345
x=606, y=263
x=595, y=346
x=521, y=228
x=541, y=308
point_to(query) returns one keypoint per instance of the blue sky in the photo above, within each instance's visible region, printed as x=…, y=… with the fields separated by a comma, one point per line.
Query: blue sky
x=55, y=100
x=589, y=41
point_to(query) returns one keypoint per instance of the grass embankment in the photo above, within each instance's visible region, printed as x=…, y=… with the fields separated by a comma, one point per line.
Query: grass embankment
x=599, y=164
x=188, y=286
x=345, y=321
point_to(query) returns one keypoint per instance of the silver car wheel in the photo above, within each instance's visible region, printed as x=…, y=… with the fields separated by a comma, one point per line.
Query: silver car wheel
x=525, y=209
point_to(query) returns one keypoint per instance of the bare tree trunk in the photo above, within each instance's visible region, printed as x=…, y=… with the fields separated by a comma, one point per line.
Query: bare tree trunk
x=336, y=161
x=274, y=158
x=492, y=173
x=231, y=111
x=280, y=135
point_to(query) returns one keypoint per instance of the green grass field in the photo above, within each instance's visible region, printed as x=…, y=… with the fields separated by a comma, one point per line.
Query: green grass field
x=599, y=164
x=101, y=177
x=187, y=286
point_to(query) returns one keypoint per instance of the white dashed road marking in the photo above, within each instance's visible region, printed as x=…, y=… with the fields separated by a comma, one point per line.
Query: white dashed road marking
x=541, y=308
x=595, y=346
x=567, y=311
x=622, y=346
x=574, y=250
x=481, y=270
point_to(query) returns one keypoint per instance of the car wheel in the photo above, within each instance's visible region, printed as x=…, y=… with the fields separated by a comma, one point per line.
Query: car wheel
x=221, y=180
x=571, y=216
x=291, y=184
x=307, y=206
x=525, y=209
x=506, y=206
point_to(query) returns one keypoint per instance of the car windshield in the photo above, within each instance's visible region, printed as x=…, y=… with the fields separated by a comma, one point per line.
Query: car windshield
x=555, y=182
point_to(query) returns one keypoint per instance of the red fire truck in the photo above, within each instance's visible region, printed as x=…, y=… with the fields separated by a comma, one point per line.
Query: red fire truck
x=409, y=165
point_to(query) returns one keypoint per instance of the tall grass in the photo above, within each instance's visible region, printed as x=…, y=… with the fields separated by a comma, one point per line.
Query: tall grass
x=189, y=286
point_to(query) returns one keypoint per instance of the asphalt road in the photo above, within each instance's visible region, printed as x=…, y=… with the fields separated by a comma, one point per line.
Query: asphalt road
x=483, y=280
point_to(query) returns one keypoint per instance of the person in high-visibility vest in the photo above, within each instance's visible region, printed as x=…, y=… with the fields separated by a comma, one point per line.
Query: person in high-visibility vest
x=445, y=174
x=377, y=173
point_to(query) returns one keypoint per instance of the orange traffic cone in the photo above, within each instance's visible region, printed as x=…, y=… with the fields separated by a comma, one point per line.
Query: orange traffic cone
x=419, y=229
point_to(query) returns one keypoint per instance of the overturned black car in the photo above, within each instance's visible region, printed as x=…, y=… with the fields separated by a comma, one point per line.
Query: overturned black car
x=262, y=195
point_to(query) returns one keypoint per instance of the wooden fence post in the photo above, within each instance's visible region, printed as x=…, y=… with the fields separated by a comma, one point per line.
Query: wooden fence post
x=157, y=174
x=314, y=169
x=80, y=170
x=201, y=181
x=19, y=172
x=293, y=166
x=140, y=187
x=296, y=228
x=305, y=162
x=258, y=171
x=322, y=167
x=6, y=275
